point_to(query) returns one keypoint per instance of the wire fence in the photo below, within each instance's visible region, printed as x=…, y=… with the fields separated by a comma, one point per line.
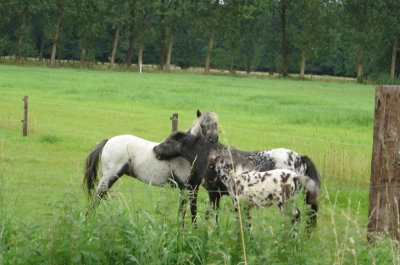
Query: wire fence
x=364, y=184
x=167, y=188
x=153, y=118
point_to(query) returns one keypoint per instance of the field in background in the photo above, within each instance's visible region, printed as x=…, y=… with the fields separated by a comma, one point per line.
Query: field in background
x=71, y=110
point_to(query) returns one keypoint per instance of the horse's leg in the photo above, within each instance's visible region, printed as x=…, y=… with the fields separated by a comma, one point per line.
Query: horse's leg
x=182, y=203
x=215, y=198
x=290, y=211
x=107, y=180
x=296, y=215
x=248, y=215
x=193, y=204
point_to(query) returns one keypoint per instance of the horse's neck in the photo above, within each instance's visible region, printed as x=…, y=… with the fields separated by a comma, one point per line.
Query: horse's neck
x=195, y=155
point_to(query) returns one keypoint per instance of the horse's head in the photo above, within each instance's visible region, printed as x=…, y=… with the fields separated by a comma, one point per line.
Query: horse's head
x=206, y=125
x=171, y=147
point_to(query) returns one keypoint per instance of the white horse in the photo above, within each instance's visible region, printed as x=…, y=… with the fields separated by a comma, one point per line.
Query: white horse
x=133, y=156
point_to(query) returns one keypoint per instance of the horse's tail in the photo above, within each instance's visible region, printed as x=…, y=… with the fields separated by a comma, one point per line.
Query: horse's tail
x=91, y=167
x=311, y=170
x=312, y=187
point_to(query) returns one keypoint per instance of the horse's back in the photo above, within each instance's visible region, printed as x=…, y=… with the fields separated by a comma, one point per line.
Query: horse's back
x=143, y=164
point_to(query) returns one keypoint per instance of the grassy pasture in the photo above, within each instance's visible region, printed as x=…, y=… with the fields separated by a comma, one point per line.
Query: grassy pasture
x=42, y=202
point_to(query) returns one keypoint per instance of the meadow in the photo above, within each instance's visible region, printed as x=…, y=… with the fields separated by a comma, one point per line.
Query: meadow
x=42, y=203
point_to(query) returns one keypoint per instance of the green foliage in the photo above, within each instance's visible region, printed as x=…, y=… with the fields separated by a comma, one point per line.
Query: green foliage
x=331, y=34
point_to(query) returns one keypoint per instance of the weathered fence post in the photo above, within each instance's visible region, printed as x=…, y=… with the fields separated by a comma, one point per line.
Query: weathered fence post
x=25, y=120
x=174, y=119
x=384, y=197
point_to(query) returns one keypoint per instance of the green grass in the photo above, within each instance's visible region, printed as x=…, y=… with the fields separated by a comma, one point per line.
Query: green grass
x=42, y=203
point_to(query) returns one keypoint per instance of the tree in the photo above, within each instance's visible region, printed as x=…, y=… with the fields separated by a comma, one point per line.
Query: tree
x=174, y=17
x=271, y=38
x=162, y=8
x=309, y=27
x=23, y=11
x=117, y=16
x=58, y=12
x=250, y=25
x=144, y=13
x=359, y=20
x=5, y=16
x=90, y=23
x=209, y=15
x=282, y=7
x=391, y=23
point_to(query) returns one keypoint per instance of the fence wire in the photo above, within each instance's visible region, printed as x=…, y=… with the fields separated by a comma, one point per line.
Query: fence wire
x=282, y=135
x=166, y=120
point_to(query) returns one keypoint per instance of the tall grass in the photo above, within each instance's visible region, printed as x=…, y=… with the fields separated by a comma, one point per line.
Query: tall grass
x=119, y=235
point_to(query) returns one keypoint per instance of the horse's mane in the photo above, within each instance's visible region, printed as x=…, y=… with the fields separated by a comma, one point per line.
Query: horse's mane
x=212, y=116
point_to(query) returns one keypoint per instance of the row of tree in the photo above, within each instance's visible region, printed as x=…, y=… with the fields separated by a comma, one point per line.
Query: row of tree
x=335, y=37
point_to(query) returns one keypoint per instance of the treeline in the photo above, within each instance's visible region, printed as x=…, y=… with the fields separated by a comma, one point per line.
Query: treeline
x=342, y=38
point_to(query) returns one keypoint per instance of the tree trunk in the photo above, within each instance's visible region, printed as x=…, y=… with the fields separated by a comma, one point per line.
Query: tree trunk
x=83, y=51
x=162, y=46
x=393, y=65
x=131, y=43
x=231, y=68
x=114, y=48
x=303, y=63
x=283, y=39
x=41, y=50
x=60, y=56
x=21, y=37
x=140, y=55
x=272, y=64
x=209, y=49
x=55, y=41
x=360, y=64
x=169, y=52
x=249, y=56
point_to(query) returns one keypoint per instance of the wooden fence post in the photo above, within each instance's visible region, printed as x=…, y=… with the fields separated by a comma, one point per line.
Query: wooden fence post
x=384, y=197
x=25, y=120
x=174, y=119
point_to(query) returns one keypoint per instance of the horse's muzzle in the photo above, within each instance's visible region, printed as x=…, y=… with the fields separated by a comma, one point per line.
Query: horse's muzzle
x=156, y=154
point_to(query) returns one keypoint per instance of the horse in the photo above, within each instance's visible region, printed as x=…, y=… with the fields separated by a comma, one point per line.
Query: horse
x=133, y=156
x=217, y=165
x=264, y=160
x=261, y=188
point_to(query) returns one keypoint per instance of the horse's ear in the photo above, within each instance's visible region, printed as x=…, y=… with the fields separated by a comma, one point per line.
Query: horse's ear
x=198, y=113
